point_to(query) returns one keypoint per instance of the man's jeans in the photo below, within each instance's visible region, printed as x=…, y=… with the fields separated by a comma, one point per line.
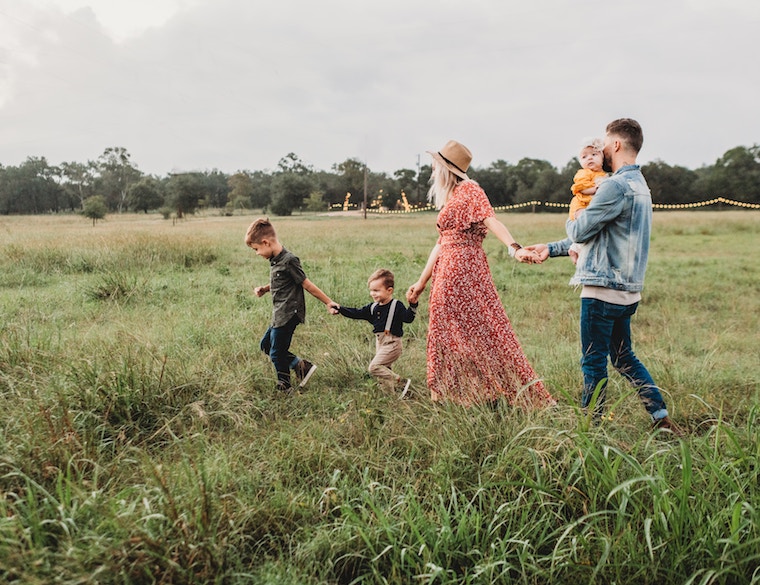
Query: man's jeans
x=276, y=344
x=606, y=331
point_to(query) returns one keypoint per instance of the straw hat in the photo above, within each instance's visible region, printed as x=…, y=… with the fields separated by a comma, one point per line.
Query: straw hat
x=454, y=156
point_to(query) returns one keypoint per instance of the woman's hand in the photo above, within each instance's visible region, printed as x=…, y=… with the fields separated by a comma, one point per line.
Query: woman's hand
x=414, y=292
x=541, y=249
x=528, y=256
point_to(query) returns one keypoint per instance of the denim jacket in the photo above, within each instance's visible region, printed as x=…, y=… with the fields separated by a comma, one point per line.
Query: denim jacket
x=615, y=230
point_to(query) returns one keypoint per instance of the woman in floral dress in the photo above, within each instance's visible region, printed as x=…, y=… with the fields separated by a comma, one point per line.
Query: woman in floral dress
x=473, y=356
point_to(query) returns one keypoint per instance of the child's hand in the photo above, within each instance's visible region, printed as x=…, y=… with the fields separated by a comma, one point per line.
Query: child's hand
x=573, y=255
x=333, y=308
x=414, y=292
x=260, y=291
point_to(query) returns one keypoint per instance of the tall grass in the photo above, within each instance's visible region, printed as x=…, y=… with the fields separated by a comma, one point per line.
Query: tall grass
x=141, y=440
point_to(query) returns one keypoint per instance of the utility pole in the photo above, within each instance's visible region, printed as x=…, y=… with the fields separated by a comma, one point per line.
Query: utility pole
x=418, y=179
x=365, y=190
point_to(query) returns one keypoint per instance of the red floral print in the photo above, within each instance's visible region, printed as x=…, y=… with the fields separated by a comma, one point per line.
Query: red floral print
x=473, y=356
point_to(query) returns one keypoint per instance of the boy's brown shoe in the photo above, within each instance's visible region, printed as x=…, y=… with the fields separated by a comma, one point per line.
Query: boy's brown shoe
x=304, y=370
x=283, y=389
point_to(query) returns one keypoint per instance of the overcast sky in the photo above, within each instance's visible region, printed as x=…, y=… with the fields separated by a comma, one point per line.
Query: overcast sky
x=239, y=84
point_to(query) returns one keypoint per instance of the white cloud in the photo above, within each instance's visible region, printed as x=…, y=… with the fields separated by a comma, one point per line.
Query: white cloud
x=235, y=84
x=121, y=19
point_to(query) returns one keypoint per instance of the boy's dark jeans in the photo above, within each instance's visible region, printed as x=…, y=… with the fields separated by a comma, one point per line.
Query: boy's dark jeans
x=606, y=332
x=276, y=344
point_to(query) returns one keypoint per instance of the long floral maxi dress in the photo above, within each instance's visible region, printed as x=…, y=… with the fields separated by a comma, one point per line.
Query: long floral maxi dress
x=473, y=355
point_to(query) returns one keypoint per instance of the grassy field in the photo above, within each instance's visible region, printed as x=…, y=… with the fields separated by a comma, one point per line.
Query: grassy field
x=141, y=440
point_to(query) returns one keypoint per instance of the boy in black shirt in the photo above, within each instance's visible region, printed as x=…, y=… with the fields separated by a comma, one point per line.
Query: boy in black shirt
x=387, y=316
x=287, y=282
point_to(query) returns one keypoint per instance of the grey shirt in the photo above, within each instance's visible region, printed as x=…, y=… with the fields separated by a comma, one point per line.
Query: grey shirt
x=286, y=285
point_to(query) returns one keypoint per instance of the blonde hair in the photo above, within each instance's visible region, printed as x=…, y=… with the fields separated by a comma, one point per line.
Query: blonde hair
x=442, y=183
x=382, y=274
x=259, y=230
x=595, y=143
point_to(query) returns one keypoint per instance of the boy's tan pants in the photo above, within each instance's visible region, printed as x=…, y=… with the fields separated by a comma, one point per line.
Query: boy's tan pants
x=387, y=351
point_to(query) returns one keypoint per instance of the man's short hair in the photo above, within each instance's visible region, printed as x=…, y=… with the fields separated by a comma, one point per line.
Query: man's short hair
x=382, y=274
x=629, y=130
x=261, y=229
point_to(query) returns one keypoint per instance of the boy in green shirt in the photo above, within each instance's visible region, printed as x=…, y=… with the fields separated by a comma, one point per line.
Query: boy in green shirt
x=287, y=282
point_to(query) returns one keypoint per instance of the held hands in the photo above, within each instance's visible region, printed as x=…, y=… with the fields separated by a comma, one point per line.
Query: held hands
x=528, y=256
x=260, y=291
x=333, y=307
x=541, y=250
x=414, y=292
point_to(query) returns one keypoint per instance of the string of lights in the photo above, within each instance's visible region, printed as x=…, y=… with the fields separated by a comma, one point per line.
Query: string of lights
x=694, y=205
x=706, y=203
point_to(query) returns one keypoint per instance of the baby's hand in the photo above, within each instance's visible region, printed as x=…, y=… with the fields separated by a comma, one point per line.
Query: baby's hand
x=573, y=255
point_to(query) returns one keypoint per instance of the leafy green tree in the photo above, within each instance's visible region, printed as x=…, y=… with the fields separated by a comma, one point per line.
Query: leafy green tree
x=669, y=184
x=290, y=163
x=350, y=175
x=551, y=186
x=32, y=187
x=262, y=189
x=185, y=191
x=558, y=189
x=217, y=191
x=423, y=178
x=94, y=208
x=240, y=187
x=288, y=192
x=350, y=178
x=291, y=184
x=116, y=174
x=736, y=175
x=701, y=187
x=145, y=195
x=406, y=180
x=330, y=185
x=495, y=181
x=78, y=179
x=532, y=179
x=388, y=187
x=315, y=201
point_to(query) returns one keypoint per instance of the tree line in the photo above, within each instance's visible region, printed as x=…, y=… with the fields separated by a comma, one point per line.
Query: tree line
x=113, y=183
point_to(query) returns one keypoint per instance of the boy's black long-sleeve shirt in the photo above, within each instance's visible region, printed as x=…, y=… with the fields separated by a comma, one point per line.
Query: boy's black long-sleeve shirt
x=377, y=314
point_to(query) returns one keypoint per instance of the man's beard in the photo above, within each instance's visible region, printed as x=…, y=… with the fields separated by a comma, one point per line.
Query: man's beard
x=607, y=165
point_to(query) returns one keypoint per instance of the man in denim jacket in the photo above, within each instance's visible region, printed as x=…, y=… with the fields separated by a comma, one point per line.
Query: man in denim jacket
x=615, y=228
